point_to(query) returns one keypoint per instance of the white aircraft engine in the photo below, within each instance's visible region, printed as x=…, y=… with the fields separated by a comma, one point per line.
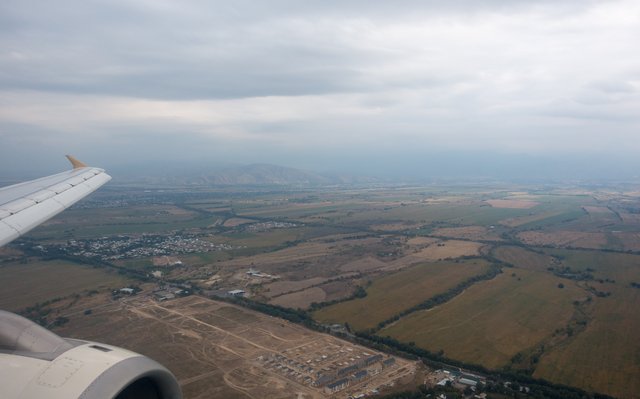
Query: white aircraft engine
x=36, y=363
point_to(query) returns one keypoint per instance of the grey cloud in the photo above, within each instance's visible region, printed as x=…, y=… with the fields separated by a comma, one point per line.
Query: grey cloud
x=315, y=83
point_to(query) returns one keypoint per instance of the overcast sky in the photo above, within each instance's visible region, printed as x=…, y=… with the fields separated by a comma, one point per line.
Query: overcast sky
x=362, y=86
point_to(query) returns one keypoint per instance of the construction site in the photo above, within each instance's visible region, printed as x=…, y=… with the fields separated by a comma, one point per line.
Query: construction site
x=216, y=349
x=331, y=366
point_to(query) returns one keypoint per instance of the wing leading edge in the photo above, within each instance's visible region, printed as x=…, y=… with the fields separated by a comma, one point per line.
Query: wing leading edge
x=25, y=205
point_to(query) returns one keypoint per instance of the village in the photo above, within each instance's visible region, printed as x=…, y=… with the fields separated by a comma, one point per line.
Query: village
x=139, y=246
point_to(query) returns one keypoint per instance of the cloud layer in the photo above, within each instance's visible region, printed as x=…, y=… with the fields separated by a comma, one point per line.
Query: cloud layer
x=311, y=83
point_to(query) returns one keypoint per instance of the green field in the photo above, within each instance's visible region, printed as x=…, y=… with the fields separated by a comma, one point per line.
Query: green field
x=394, y=293
x=620, y=267
x=588, y=328
x=606, y=356
x=38, y=281
x=92, y=223
x=493, y=320
x=522, y=258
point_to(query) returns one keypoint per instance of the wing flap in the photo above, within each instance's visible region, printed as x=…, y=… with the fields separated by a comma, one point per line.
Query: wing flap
x=29, y=204
x=7, y=233
x=26, y=220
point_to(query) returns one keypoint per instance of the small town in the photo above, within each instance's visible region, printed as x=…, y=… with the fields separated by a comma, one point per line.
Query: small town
x=142, y=246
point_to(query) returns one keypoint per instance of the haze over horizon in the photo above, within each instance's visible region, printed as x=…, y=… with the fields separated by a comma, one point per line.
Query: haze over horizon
x=546, y=89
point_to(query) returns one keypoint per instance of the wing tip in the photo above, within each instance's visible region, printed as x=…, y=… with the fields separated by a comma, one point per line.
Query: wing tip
x=75, y=163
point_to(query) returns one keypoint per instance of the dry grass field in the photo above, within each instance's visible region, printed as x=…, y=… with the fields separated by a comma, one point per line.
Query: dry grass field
x=396, y=226
x=234, y=222
x=523, y=259
x=597, y=210
x=363, y=265
x=630, y=240
x=574, y=239
x=301, y=299
x=281, y=287
x=439, y=250
x=468, y=233
x=53, y=279
x=391, y=294
x=493, y=320
x=512, y=203
x=604, y=357
x=449, y=249
x=619, y=267
x=535, y=217
x=421, y=241
x=215, y=349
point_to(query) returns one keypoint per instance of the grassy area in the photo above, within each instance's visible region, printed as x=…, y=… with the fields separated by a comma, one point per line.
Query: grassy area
x=391, y=294
x=38, y=281
x=604, y=357
x=477, y=213
x=93, y=223
x=522, y=258
x=493, y=320
x=623, y=268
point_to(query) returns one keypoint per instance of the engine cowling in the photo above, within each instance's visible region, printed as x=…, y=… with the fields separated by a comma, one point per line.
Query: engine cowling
x=36, y=363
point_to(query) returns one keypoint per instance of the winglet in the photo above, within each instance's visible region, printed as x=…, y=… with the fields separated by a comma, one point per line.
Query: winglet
x=76, y=164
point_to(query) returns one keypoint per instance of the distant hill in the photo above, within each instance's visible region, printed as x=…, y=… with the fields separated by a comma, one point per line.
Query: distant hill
x=254, y=174
x=266, y=174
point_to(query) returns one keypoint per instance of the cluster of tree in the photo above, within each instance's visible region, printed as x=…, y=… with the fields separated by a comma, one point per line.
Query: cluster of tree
x=39, y=312
x=538, y=388
x=424, y=392
x=440, y=298
x=567, y=272
x=359, y=292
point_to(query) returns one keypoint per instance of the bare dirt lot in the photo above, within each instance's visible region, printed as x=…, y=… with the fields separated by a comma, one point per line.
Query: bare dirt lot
x=219, y=350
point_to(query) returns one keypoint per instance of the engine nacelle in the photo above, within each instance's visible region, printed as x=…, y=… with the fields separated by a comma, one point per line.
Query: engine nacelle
x=36, y=363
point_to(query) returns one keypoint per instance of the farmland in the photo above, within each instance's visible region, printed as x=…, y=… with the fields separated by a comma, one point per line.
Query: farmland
x=219, y=350
x=53, y=279
x=538, y=280
x=391, y=294
x=528, y=307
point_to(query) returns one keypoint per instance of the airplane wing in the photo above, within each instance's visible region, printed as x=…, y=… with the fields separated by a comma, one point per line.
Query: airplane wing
x=36, y=363
x=25, y=205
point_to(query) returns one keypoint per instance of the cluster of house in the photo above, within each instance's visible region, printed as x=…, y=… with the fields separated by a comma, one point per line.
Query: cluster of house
x=354, y=373
x=125, y=247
